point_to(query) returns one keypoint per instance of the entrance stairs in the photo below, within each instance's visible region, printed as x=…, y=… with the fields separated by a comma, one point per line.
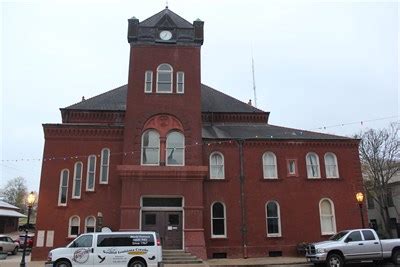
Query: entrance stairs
x=176, y=257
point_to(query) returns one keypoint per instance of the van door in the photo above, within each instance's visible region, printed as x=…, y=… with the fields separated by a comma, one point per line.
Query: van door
x=81, y=251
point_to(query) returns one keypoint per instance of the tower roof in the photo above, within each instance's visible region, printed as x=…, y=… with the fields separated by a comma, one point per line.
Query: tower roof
x=165, y=18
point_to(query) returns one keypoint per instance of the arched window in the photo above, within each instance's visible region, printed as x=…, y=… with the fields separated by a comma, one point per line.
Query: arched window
x=273, y=219
x=217, y=169
x=91, y=173
x=151, y=148
x=74, y=223
x=77, y=183
x=90, y=224
x=63, y=191
x=327, y=217
x=175, y=152
x=105, y=165
x=269, y=165
x=218, y=220
x=313, y=165
x=164, y=78
x=331, y=166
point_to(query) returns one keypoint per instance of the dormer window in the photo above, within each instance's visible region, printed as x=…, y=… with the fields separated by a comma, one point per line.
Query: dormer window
x=164, y=78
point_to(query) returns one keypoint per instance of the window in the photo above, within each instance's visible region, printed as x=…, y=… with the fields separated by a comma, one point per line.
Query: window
x=368, y=235
x=218, y=223
x=217, y=166
x=273, y=219
x=76, y=187
x=175, y=149
x=125, y=240
x=74, y=223
x=84, y=241
x=91, y=173
x=327, y=217
x=150, y=148
x=105, y=162
x=292, y=167
x=180, y=82
x=164, y=78
x=389, y=197
x=313, y=166
x=331, y=167
x=370, y=201
x=90, y=224
x=393, y=223
x=148, y=84
x=63, y=191
x=354, y=236
x=269, y=165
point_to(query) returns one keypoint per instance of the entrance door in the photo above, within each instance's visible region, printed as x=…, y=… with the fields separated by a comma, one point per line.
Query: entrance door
x=168, y=224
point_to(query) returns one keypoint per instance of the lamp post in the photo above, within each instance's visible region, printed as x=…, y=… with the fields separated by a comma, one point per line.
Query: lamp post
x=30, y=200
x=360, y=200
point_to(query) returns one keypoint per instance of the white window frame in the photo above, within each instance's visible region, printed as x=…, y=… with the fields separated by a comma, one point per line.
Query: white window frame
x=212, y=218
x=89, y=171
x=332, y=215
x=70, y=225
x=61, y=188
x=76, y=179
x=182, y=83
x=104, y=165
x=279, y=234
x=327, y=165
x=87, y=225
x=171, y=75
x=310, y=166
x=148, y=82
x=183, y=149
x=275, y=165
x=142, y=148
x=223, y=165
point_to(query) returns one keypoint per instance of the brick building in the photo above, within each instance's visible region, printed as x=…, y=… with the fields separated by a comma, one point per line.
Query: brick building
x=168, y=153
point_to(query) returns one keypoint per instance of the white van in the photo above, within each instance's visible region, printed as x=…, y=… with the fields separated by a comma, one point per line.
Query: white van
x=125, y=249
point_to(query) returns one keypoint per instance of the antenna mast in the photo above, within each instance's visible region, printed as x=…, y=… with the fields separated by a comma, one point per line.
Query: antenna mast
x=254, y=80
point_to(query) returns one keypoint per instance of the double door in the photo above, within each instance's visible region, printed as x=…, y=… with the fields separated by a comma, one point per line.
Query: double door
x=168, y=224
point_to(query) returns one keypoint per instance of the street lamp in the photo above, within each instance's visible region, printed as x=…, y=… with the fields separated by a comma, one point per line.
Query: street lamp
x=30, y=200
x=360, y=200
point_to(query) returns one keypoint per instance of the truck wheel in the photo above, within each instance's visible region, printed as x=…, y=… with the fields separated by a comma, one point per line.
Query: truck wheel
x=334, y=260
x=396, y=257
x=15, y=251
x=62, y=263
x=137, y=263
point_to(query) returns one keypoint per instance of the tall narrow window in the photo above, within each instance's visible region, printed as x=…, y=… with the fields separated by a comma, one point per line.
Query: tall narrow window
x=327, y=217
x=151, y=148
x=148, y=84
x=312, y=166
x=175, y=149
x=273, y=219
x=217, y=166
x=74, y=223
x=218, y=220
x=164, y=78
x=269, y=166
x=90, y=224
x=77, y=184
x=292, y=167
x=180, y=82
x=331, y=166
x=63, y=191
x=91, y=173
x=105, y=165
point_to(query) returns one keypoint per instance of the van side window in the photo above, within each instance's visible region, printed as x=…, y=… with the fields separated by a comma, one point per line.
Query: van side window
x=84, y=241
x=368, y=235
x=125, y=240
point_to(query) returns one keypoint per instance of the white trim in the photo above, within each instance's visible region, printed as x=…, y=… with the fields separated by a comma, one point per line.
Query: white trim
x=183, y=82
x=107, y=165
x=75, y=179
x=171, y=75
x=318, y=166
x=86, y=223
x=223, y=165
x=88, y=173
x=333, y=219
x=141, y=149
x=60, y=188
x=146, y=82
x=279, y=234
x=183, y=149
x=336, y=165
x=69, y=225
x=224, y=218
x=265, y=165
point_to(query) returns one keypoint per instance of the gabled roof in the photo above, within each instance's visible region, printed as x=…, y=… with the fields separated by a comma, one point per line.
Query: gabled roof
x=166, y=16
x=5, y=205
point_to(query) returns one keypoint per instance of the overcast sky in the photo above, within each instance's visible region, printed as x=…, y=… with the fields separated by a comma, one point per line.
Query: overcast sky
x=317, y=63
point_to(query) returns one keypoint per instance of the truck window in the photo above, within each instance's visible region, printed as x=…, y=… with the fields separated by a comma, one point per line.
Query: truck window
x=354, y=236
x=368, y=235
x=84, y=241
x=125, y=240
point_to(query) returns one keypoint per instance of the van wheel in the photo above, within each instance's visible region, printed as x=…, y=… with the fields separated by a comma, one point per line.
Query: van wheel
x=62, y=263
x=334, y=260
x=137, y=263
x=396, y=257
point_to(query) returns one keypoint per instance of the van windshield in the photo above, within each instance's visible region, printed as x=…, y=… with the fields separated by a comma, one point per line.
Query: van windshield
x=84, y=241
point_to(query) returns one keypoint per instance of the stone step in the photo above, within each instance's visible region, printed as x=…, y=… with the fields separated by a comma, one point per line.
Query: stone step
x=176, y=257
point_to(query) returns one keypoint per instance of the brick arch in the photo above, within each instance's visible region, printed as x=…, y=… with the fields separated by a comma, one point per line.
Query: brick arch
x=163, y=123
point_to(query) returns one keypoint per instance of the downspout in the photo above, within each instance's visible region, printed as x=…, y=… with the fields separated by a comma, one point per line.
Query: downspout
x=242, y=199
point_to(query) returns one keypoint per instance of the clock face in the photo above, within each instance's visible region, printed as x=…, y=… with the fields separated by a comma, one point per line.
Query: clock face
x=165, y=35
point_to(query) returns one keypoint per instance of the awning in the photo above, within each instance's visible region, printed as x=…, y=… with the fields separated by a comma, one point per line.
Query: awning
x=10, y=213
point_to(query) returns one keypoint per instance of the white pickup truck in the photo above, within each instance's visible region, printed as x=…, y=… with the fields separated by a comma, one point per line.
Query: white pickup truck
x=353, y=245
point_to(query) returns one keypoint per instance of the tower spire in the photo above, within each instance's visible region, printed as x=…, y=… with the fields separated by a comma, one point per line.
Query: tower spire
x=166, y=3
x=254, y=80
